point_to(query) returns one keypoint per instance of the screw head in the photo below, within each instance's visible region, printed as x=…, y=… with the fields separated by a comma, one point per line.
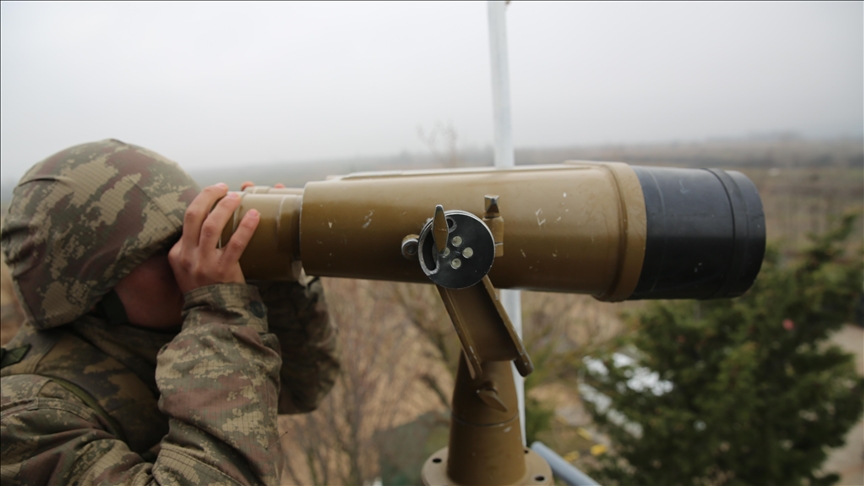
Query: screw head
x=490, y=203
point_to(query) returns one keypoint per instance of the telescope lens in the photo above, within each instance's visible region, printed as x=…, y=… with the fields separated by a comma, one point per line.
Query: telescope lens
x=705, y=234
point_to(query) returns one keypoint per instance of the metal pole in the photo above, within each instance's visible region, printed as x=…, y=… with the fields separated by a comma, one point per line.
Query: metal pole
x=500, y=85
x=511, y=299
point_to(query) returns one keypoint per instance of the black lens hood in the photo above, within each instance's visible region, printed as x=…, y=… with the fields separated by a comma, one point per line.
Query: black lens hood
x=705, y=235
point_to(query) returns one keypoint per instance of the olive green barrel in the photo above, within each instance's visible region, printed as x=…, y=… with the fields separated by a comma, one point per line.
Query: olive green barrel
x=605, y=229
x=576, y=227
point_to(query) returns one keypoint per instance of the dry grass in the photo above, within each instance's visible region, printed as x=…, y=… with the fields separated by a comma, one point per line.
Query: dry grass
x=384, y=359
x=802, y=201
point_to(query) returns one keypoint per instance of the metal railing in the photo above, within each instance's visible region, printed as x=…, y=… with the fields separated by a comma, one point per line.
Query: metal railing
x=562, y=469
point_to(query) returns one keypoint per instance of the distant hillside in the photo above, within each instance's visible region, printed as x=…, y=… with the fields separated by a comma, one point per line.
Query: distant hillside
x=777, y=152
x=772, y=152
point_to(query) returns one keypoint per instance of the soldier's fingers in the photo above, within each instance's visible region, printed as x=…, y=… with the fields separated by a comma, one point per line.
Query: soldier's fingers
x=216, y=221
x=241, y=237
x=198, y=211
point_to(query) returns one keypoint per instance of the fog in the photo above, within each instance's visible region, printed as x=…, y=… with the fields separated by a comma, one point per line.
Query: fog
x=216, y=84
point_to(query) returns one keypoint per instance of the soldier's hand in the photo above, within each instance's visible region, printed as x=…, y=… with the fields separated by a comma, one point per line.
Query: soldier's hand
x=195, y=259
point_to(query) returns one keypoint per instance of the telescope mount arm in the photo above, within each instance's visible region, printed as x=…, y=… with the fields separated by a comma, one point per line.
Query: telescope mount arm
x=456, y=250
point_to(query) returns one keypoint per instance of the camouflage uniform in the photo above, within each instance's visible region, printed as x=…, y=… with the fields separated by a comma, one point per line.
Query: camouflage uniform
x=87, y=399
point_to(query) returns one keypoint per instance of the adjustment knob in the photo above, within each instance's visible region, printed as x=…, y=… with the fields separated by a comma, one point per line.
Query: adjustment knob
x=465, y=256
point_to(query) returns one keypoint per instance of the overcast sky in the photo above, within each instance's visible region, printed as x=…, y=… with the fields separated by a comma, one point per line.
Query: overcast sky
x=213, y=84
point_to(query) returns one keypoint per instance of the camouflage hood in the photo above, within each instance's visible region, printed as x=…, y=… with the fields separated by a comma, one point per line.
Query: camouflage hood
x=82, y=219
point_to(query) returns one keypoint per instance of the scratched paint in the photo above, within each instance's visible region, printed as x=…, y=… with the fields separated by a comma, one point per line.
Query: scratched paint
x=539, y=213
x=368, y=219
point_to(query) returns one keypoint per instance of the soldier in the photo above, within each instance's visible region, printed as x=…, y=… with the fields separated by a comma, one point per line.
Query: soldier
x=145, y=357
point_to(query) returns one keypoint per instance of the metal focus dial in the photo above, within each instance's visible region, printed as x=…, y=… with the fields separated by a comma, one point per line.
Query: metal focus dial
x=467, y=252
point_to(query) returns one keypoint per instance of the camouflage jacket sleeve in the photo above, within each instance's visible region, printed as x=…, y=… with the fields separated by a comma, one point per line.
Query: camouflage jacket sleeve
x=298, y=316
x=219, y=384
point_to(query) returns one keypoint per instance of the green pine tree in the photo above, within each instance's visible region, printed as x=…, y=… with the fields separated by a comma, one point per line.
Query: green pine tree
x=757, y=394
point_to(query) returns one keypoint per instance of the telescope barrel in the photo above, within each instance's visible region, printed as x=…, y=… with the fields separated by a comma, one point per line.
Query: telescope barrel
x=570, y=228
x=606, y=229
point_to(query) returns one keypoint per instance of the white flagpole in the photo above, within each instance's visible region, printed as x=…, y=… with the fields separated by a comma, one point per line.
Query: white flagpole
x=511, y=299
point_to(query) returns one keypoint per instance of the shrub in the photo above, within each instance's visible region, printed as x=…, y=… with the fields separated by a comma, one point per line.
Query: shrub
x=757, y=395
